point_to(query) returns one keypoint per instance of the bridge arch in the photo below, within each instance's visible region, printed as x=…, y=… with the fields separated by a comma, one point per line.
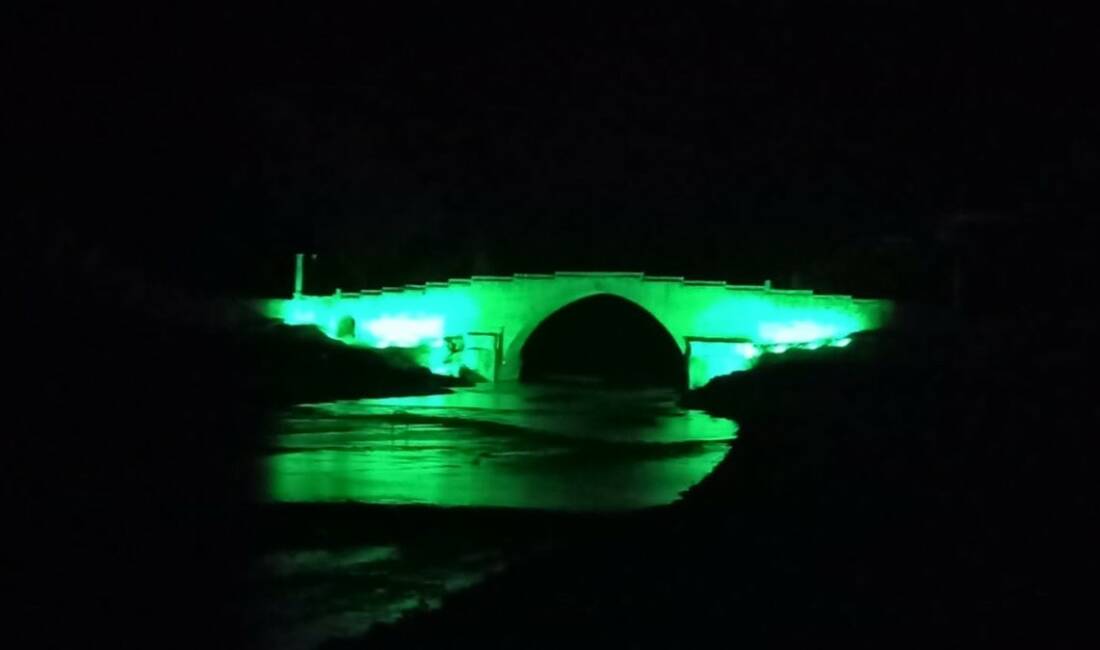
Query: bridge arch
x=513, y=350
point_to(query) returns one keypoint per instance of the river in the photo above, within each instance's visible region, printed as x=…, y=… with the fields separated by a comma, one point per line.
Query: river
x=513, y=446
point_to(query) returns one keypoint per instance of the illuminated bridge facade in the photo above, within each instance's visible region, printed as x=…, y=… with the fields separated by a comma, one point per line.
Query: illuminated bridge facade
x=483, y=322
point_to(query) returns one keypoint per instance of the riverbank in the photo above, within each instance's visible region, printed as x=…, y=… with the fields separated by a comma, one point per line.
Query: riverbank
x=295, y=365
x=936, y=491
x=324, y=571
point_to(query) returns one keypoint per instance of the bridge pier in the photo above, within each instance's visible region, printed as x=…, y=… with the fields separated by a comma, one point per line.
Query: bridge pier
x=707, y=358
x=484, y=355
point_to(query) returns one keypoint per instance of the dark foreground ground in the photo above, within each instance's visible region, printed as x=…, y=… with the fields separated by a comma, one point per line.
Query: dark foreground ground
x=915, y=491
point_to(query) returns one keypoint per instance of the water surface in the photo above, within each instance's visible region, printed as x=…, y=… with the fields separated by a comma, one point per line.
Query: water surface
x=512, y=446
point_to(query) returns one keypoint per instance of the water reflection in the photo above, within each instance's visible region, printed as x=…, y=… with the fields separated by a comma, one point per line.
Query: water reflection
x=506, y=446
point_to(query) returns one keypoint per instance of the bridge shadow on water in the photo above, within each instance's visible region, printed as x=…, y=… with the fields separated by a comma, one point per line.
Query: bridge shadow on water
x=603, y=340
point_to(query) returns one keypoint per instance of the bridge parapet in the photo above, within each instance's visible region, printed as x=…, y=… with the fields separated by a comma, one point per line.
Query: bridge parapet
x=599, y=274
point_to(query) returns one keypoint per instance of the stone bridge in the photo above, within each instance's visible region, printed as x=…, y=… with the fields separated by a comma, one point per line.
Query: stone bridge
x=483, y=322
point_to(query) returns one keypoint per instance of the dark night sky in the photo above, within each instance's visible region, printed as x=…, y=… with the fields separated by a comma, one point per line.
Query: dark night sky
x=203, y=149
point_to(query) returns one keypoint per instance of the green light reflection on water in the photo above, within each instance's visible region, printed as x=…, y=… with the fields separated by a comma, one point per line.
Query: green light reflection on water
x=493, y=448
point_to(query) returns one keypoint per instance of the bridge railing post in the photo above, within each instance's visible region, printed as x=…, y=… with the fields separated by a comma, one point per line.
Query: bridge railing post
x=299, y=273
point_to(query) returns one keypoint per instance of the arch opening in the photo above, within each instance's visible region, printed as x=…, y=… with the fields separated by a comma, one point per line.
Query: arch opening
x=604, y=340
